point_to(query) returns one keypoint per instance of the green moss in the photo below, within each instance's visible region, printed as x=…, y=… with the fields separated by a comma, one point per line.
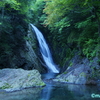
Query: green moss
x=83, y=74
x=67, y=80
x=29, y=75
x=6, y=86
x=65, y=73
x=70, y=64
x=41, y=84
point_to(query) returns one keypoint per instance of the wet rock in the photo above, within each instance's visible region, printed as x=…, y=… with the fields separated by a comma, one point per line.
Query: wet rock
x=82, y=71
x=91, y=82
x=17, y=79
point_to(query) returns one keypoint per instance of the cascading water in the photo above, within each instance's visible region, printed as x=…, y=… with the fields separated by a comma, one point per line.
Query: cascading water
x=44, y=49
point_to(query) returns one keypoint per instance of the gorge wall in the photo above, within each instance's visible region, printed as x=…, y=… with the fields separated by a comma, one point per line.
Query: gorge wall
x=20, y=50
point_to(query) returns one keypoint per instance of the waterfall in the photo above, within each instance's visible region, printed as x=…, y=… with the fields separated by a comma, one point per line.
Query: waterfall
x=45, y=52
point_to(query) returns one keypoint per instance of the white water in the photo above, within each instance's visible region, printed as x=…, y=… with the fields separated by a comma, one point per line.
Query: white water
x=44, y=49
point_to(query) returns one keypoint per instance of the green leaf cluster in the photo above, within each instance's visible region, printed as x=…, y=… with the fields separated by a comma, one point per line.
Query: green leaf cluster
x=74, y=25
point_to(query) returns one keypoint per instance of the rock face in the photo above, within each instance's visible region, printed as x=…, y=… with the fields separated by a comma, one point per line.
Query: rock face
x=22, y=53
x=81, y=71
x=16, y=79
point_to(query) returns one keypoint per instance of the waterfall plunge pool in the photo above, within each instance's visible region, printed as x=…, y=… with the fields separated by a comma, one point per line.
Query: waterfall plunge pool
x=54, y=91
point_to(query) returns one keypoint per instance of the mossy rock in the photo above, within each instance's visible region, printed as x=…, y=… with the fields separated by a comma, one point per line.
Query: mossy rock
x=16, y=79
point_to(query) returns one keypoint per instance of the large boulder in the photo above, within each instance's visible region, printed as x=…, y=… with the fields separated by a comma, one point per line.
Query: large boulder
x=81, y=71
x=16, y=79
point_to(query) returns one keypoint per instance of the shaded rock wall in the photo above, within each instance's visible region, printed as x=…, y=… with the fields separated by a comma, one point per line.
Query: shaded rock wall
x=23, y=51
x=81, y=71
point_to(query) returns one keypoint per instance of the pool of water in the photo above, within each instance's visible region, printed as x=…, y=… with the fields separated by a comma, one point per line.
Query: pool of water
x=55, y=91
x=69, y=92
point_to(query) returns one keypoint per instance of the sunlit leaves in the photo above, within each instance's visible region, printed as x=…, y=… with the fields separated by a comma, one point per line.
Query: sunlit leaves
x=13, y=3
x=74, y=22
x=90, y=48
x=54, y=9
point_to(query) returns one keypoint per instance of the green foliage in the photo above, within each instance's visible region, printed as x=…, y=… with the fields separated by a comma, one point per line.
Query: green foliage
x=90, y=48
x=38, y=15
x=95, y=73
x=14, y=17
x=74, y=27
x=13, y=3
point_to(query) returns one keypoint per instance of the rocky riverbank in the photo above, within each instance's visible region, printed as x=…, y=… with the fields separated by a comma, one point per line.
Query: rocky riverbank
x=81, y=71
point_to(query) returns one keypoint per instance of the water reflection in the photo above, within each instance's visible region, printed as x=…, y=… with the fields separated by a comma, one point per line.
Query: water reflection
x=61, y=91
x=54, y=91
x=70, y=92
x=46, y=92
x=25, y=94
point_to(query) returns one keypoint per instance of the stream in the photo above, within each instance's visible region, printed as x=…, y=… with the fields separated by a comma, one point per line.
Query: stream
x=54, y=91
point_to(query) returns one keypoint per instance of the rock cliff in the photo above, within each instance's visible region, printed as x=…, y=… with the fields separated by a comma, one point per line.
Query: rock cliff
x=81, y=71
